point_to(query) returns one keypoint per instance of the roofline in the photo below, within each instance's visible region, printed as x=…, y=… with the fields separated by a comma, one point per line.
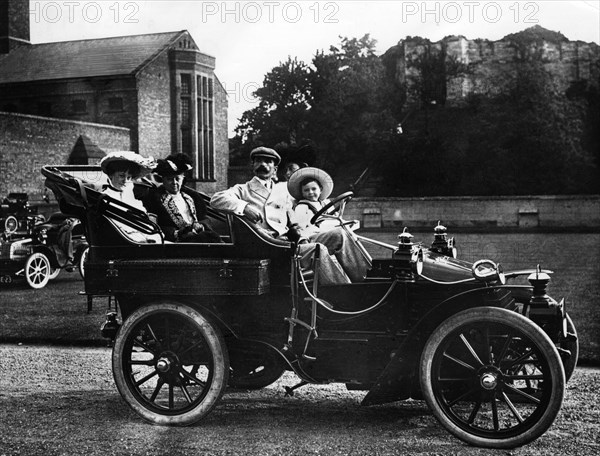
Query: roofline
x=70, y=121
x=74, y=78
x=105, y=38
x=153, y=57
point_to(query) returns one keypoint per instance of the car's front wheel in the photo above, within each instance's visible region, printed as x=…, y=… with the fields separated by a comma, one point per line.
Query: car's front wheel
x=492, y=377
x=170, y=363
x=37, y=270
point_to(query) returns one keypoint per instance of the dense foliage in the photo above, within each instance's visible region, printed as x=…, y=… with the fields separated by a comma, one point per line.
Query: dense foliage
x=530, y=139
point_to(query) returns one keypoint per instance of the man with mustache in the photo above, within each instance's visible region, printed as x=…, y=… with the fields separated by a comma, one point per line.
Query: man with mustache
x=268, y=205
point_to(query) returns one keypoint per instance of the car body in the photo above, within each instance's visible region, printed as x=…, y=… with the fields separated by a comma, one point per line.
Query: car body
x=17, y=217
x=490, y=359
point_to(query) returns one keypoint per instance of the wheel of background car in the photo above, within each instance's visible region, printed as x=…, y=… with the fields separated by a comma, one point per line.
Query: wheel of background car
x=341, y=199
x=571, y=344
x=492, y=377
x=54, y=273
x=81, y=262
x=170, y=363
x=37, y=270
x=11, y=224
x=253, y=367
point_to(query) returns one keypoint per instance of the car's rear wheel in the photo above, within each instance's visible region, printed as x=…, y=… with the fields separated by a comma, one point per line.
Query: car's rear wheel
x=37, y=270
x=492, y=377
x=170, y=363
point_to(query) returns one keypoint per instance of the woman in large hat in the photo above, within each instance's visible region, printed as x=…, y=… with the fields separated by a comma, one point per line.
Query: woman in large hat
x=181, y=215
x=122, y=169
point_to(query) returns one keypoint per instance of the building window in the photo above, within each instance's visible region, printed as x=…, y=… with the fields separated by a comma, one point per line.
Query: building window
x=44, y=108
x=115, y=104
x=79, y=106
x=187, y=146
x=206, y=140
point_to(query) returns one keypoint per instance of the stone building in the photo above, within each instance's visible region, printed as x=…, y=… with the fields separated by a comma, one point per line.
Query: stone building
x=159, y=86
x=463, y=67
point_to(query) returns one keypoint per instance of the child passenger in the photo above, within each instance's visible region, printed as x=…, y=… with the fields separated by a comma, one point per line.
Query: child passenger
x=311, y=188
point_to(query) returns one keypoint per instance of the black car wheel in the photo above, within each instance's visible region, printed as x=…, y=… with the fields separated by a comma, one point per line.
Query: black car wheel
x=492, y=377
x=170, y=364
x=37, y=270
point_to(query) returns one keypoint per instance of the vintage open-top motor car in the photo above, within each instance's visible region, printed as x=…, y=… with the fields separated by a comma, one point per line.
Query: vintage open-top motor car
x=490, y=359
x=35, y=249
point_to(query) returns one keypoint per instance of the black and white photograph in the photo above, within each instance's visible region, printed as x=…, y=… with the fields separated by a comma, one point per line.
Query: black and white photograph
x=289, y=228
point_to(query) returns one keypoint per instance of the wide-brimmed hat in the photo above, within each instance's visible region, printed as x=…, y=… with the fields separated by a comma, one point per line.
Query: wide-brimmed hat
x=173, y=165
x=138, y=165
x=299, y=176
x=267, y=153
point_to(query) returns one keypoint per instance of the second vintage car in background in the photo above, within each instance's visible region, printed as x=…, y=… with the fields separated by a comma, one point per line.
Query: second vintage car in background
x=36, y=249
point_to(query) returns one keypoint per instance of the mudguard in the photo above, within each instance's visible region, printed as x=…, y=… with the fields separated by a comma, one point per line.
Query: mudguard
x=398, y=380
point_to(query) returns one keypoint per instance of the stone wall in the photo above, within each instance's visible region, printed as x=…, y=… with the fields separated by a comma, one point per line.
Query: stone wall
x=489, y=67
x=29, y=142
x=503, y=212
x=154, y=121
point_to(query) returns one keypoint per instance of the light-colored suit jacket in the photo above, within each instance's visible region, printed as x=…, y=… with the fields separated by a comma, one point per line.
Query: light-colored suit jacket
x=275, y=204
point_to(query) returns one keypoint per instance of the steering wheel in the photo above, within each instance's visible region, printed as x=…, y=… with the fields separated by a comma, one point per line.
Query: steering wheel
x=340, y=200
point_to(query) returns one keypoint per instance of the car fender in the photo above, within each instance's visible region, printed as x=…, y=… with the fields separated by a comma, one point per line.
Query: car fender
x=398, y=381
x=41, y=248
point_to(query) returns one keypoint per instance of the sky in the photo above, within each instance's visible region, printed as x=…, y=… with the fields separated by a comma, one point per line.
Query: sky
x=249, y=38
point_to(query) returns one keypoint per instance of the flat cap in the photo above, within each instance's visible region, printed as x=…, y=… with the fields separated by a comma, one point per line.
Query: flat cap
x=265, y=152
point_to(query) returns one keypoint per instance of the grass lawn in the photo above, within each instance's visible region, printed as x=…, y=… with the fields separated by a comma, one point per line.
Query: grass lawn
x=54, y=314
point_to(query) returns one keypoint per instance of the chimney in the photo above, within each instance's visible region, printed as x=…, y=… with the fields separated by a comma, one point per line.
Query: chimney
x=14, y=24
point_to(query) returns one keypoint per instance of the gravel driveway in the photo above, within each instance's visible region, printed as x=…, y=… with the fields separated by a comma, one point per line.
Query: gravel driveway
x=62, y=401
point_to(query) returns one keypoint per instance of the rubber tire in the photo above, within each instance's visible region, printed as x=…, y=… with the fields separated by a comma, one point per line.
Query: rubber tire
x=54, y=274
x=218, y=350
x=42, y=264
x=81, y=262
x=509, y=318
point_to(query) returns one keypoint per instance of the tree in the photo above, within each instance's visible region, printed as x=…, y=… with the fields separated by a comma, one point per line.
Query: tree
x=282, y=111
x=351, y=116
x=341, y=105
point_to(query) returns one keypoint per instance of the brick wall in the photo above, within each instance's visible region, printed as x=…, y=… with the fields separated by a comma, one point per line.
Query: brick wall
x=55, y=99
x=559, y=211
x=29, y=142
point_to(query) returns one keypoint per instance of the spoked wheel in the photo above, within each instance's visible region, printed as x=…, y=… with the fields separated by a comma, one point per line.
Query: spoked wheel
x=37, y=270
x=170, y=364
x=253, y=367
x=492, y=378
